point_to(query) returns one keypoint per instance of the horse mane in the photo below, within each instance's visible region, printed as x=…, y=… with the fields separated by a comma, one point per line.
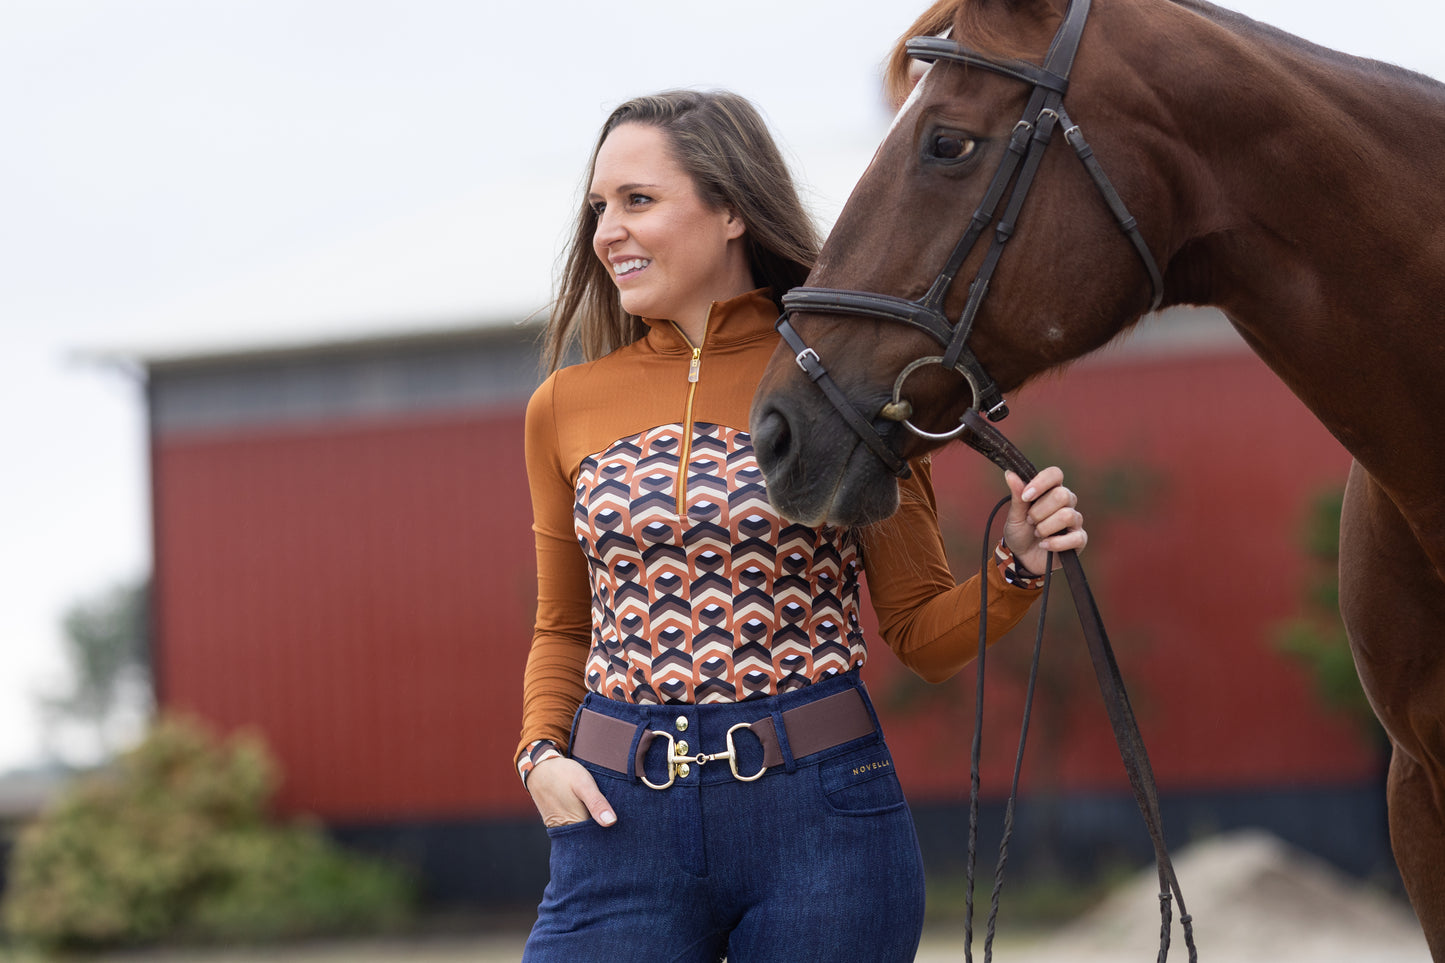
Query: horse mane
x=965, y=19
x=1241, y=24
x=968, y=26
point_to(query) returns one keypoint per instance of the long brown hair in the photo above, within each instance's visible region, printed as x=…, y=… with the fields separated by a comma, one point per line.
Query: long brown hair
x=721, y=142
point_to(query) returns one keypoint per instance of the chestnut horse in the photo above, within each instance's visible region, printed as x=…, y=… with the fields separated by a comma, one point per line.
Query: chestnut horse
x=1296, y=188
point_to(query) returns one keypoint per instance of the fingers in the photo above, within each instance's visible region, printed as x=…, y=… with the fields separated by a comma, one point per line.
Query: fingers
x=1044, y=503
x=565, y=793
x=1043, y=515
x=1074, y=537
x=1049, y=478
x=1062, y=519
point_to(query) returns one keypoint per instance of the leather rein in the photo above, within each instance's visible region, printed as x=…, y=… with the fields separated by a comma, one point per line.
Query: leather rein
x=990, y=442
x=1012, y=180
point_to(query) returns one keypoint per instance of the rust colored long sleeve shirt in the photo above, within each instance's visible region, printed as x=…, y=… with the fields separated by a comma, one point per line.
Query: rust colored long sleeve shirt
x=663, y=573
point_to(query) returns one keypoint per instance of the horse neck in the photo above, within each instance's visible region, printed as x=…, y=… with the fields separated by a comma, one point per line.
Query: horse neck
x=1315, y=223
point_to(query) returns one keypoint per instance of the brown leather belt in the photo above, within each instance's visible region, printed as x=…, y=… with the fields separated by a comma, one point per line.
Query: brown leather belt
x=607, y=741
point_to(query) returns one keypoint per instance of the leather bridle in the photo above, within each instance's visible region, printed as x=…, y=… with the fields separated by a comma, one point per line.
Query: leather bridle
x=1012, y=180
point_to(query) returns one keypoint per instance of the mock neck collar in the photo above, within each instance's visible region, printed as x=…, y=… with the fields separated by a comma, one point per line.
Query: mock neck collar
x=737, y=319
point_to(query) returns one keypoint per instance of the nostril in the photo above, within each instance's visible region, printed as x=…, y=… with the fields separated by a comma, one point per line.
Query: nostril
x=772, y=437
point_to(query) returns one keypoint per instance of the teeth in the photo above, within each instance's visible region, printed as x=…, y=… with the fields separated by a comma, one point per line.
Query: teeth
x=636, y=264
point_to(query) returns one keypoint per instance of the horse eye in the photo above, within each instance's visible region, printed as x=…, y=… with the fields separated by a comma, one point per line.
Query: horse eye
x=951, y=146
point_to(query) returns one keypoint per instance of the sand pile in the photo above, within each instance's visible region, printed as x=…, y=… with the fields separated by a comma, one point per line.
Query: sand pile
x=1253, y=898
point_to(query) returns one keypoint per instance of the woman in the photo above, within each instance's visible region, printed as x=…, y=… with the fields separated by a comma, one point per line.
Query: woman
x=723, y=787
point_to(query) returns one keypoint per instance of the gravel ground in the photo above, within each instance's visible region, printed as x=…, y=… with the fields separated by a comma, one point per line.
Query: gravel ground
x=1254, y=901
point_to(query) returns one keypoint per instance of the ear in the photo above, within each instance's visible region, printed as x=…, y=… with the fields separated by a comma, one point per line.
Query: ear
x=735, y=226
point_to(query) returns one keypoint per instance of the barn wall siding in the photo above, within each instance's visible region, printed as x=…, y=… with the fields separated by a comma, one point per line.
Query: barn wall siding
x=363, y=596
x=357, y=582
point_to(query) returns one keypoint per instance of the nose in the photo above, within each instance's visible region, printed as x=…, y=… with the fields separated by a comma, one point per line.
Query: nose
x=772, y=439
x=609, y=231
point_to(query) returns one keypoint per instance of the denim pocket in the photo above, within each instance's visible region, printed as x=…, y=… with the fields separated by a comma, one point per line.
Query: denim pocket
x=555, y=831
x=862, y=782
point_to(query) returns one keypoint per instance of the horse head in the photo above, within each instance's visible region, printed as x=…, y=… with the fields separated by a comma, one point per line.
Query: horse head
x=1065, y=283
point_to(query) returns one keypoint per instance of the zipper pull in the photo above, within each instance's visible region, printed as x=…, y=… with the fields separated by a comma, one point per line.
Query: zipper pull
x=696, y=362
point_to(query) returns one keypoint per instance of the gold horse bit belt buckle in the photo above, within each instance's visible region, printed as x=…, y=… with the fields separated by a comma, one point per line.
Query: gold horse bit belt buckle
x=679, y=761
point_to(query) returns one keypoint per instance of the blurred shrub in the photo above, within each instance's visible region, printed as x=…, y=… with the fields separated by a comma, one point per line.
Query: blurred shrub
x=175, y=843
x=1316, y=637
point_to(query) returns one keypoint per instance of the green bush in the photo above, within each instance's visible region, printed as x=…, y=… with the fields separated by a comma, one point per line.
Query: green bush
x=176, y=843
x=1316, y=637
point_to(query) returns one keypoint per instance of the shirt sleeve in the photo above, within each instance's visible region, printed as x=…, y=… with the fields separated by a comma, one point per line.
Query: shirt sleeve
x=533, y=754
x=553, y=684
x=927, y=618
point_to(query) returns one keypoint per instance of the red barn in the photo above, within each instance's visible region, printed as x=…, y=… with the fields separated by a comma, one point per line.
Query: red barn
x=344, y=561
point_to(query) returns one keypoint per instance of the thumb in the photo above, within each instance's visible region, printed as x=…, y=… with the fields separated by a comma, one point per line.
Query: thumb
x=1018, y=508
x=598, y=806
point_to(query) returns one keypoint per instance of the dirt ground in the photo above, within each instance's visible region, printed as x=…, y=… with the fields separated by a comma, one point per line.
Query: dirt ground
x=1253, y=899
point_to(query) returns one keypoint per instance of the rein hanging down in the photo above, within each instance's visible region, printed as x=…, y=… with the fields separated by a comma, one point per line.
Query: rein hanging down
x=991, y=443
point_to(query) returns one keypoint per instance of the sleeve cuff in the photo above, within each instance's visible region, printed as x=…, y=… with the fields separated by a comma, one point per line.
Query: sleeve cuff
x=1014, y=573
x=537, y=751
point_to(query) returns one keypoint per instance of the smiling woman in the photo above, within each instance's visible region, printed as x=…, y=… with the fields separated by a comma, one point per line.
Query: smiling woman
x=743, y=178
x=671, y=253
x=681, y=620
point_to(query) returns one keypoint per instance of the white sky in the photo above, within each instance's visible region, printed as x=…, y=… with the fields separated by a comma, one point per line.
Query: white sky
x=164, y=152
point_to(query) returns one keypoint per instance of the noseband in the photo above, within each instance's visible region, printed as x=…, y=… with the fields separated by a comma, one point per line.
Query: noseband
x=1013, y=178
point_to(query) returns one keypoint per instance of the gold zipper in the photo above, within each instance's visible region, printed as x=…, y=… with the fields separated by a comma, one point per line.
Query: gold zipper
x=685, y=455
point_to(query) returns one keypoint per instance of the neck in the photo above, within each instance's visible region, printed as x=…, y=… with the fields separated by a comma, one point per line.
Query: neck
x=1315, y=226
x=735, y=279
x=694, y=328
x=1320, y=237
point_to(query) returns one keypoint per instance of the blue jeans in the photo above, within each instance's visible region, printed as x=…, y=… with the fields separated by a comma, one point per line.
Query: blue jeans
x=815, y=861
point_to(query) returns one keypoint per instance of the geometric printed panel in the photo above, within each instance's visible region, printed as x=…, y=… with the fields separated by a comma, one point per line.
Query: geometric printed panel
x=724, y=602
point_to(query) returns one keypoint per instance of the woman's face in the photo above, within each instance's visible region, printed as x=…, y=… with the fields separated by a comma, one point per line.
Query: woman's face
x=669, y=253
